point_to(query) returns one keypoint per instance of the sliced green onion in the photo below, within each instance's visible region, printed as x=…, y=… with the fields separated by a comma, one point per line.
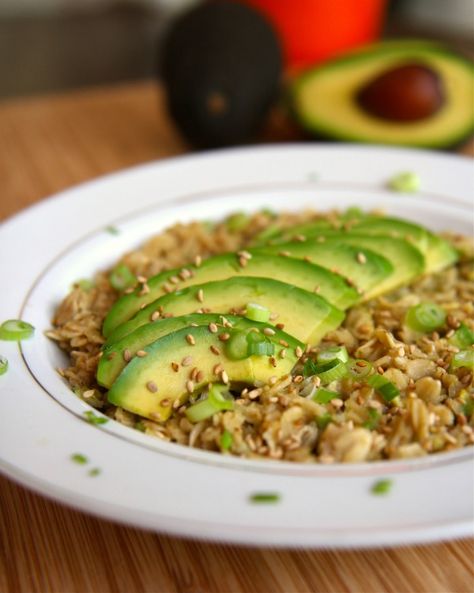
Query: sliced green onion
x=324, y=396
x=3, y=365
x=236, y=347
x=237, y=221
x=265, y=348
x=425, y=317
x=383, y=386
x=373, y=419
x=113, y=230
x=226, y=440
x=264, y=498
x=333, y=353
x=468, y=407
x=79, y=458
x=217, y=400
x=463, y=337
x=327, y=372
x=358, y=368
x=95, y=471
x=84, y=284
x=122, y=277
x=463, y=359
x=323, y=421
x=257, y=312
x=94, y=419
x=406, y=182
x=382, y=487
x=15, y=330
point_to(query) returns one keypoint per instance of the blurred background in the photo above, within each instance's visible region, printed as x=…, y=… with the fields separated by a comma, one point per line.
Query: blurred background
x=53, y=45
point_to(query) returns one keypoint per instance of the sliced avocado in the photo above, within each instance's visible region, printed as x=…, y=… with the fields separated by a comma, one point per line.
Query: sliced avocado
x=149, y=386
x=112, y=360
x=303, y=274
x=305, y=315
x=327, y=99
x=438, y=252
x=407, y=261
x=342, y=259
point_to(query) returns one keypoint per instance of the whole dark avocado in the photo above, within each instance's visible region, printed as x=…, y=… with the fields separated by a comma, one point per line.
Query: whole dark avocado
x=221, y=65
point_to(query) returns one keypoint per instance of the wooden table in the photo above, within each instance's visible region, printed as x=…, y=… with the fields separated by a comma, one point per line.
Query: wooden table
x=50, y=143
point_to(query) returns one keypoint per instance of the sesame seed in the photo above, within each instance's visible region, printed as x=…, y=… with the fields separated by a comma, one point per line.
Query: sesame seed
x=167, y=315
x=165, y=403
x=299, y=238
x=190, y=339
x=193, y=373
x=175, y=366
x=317, y=289
x=274, y=316
x=185, y=274
x=129, y=290
x=283, y=343
x=142, y=306
x=199, y=376
x=273, y=361
x=144, y=290
x=361, y=258
x=89, y=393
x=166, y=288
x=298, y=379
x=197, y=261
x=224, y=377
x=284, y=253
x=337, y=402
x=187, y=361
x=282, y=353
x=155, y=315
x=212, y=328
x=244, y=254
x=200, y=295
x=224, y=337
x=174, y=280
x=242, y=262
x=151, y=386
x=142, y=353
x=298, y=352
x=142, y=279
x=214, y=350
x=218, y=368
x=176, y=404
x=127, y=355
x=268, y=331
x=254, y=393
x=280, y=325
x=189, y=386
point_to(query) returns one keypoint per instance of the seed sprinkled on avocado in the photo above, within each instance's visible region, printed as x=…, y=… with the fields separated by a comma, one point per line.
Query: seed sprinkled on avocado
x=190, y=339
x=152, y=387
x=213, y=328
x=187, y=361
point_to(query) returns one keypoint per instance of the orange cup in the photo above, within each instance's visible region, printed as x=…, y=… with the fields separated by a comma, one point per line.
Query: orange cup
x=314, y=30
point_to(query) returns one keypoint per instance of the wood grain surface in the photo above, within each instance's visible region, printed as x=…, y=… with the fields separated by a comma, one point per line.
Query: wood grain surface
x=50, y=143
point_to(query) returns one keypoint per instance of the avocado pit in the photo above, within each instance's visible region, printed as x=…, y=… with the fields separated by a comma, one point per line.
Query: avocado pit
x=406, y=93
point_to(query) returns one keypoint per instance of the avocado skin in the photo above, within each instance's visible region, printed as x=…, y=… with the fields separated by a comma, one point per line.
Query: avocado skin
x=326, y=131
x=221, y=67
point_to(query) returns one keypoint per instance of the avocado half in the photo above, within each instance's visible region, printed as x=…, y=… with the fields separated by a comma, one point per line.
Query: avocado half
x=325, y=99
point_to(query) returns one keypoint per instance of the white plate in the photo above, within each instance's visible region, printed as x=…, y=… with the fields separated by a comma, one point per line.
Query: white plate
x=171, y=488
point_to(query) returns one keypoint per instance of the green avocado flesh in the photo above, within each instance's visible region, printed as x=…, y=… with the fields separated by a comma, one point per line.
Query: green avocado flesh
x=407, y=261
x=325, y=99
x=437, y=252
x=131, y=389
x=305, y=315
x=300, y=273
x=343, y=259
x=112, y=360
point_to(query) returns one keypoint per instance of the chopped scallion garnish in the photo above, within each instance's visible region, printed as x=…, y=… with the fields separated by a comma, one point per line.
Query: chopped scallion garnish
x=264, y=498
x=79, y=458
x=382, y=487
x=257, y=312
x=94, y=419
x=95, y=471
x=406, y=182
x=373, y=419
x=217, y=400
x=265, y=348
x=113, y=230
x=226, y=440
x=237, y=222
x=333, y=353
x=3, y=365
x=383, y=386
x=463, y=337
x=359, y=369
x=324, y=396
x=122, y=277
x=327, y=372
x=237, y=345
x=15, y=330
x=463, y=359
x=425, y=317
